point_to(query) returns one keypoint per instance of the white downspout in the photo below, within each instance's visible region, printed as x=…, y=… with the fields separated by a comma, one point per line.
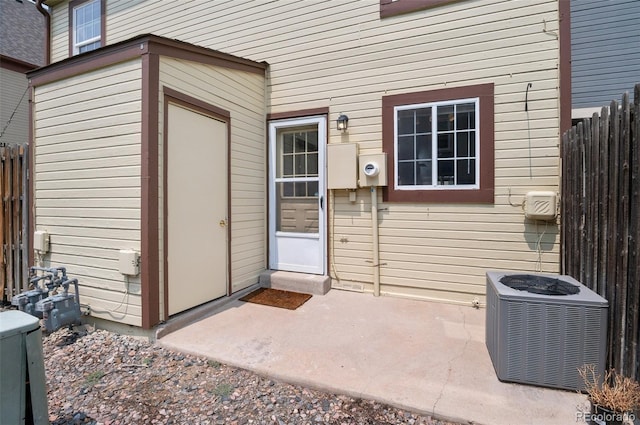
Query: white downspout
x=375, y=248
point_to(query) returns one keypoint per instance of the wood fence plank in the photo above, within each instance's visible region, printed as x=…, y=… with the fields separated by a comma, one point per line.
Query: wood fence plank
x=604, y=203
x=8, y=220
x=17, y=222
x=24, y=243
x=614, y=284
x=623, y=228
x=563, y=203
x=596, y=202
x=587, y=221
x=581, y=195
x=575, y=203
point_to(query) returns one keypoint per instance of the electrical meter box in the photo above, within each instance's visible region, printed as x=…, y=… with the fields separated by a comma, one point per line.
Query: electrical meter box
x=540, y=205
x=372, y=169
x=342, y=165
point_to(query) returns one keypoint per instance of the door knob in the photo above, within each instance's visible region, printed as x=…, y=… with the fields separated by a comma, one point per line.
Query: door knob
x=223, y=222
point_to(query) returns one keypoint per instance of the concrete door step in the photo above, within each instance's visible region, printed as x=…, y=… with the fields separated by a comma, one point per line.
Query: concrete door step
x=297, y=282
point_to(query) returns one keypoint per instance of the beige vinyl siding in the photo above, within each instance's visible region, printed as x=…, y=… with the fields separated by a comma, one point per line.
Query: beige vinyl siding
x=341, y=55
x=242, y=94
x=59, y=32
x=87, y=182
x=13, y=87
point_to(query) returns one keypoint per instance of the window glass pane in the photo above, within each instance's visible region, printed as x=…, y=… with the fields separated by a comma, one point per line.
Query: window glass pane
x=445, y=172
x=423, y=173
x=445, y=145
x=465, y=116
x=405, y=147
x=465, y=144
x=300, y=189
x=406, y=121
x=472, y=143
x=312, y=141
x=300, y=164
x=312, y=164
x=466, y=170
x=80, y=34
x=312, y=189
x=287, y=189
x=89, y=47
x=445, y=118
x=462, y=144
x=423, y=147
x=299, y=142
x=287, y=143
x=287, y=165
x=423, y=120
x=406, y=173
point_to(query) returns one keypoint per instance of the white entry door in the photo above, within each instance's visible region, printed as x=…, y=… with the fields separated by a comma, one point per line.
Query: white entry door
x=297, y=199
x=196, y=208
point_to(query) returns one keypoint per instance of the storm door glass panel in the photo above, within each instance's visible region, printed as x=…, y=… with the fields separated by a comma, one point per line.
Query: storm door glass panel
x=297, y=180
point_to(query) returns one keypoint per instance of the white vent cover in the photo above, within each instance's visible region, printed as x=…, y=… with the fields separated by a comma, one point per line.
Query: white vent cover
x=540, y=339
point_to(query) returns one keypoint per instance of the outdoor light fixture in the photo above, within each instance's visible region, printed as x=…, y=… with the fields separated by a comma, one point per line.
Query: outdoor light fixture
x=343, y=122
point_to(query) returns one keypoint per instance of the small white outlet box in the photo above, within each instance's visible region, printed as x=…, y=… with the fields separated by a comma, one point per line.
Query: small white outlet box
x=41, y=241
x=129, y=262
x=539, y=205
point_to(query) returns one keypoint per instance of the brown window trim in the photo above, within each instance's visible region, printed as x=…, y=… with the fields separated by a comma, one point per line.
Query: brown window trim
x=398, y=7
x=103, y=22
x=485, y=194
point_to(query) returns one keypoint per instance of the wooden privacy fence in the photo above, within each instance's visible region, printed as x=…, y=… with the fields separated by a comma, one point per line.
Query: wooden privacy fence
x=600, y=224
x=13, y=220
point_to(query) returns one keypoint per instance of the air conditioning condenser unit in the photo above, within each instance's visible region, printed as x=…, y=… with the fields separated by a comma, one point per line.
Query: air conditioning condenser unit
x=541, y=328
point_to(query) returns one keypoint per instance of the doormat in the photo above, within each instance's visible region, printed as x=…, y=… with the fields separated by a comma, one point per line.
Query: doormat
x=276, y=298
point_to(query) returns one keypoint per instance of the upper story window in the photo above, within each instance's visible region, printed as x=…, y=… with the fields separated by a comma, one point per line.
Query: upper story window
x=86, y=25
x=440, y=145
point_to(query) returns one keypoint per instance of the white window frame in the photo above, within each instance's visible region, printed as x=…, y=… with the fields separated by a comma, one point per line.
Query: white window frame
x=77, y=46
x=434, y=145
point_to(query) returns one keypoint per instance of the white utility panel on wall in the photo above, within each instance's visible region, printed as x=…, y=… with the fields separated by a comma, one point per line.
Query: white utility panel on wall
x=540, y=205
x=342, y=163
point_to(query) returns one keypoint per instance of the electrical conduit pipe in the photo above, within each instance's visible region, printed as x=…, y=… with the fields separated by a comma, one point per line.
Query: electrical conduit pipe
x=375, y=237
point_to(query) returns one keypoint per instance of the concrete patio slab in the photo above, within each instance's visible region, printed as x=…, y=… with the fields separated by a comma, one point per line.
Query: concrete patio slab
x=422, y=356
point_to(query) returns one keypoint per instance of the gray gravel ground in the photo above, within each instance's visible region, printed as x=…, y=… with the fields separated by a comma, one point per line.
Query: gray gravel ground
x=98, y=377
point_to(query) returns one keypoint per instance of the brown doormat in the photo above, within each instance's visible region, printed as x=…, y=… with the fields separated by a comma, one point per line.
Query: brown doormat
x=276, y=298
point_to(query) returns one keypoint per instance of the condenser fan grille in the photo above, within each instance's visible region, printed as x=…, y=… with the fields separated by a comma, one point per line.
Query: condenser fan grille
x=536, y=284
